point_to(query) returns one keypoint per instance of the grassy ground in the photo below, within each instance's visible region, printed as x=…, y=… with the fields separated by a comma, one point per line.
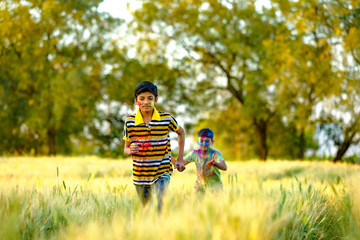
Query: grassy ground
x=91, y=198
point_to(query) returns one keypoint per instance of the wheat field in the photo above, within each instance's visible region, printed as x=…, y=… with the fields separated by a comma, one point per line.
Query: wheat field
x=93, y=198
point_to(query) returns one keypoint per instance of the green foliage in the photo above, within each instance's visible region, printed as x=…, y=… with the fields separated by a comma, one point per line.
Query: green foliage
x=108, y=142
x=277, y=63
x=257, y=77
x=52, y=60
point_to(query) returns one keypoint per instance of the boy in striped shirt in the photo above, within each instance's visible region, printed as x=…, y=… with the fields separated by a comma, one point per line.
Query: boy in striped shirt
x=147, y=140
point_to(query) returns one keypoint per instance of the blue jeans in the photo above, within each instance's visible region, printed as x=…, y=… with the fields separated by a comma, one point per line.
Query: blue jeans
x=144, y=191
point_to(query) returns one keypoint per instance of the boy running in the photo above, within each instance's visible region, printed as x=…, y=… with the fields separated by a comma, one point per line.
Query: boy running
x=147, y=140
x=208, y=162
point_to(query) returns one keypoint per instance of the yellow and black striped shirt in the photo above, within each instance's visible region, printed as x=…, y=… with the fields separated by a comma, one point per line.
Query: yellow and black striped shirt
x=154, y=158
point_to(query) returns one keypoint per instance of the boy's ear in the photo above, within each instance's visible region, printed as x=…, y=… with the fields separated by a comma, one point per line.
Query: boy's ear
x=156, y=99
x=135, y=101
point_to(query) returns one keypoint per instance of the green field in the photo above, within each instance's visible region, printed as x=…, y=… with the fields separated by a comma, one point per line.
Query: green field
x=92, y=198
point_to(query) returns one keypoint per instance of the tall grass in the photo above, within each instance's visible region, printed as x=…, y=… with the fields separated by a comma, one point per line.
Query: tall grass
x=90, y=198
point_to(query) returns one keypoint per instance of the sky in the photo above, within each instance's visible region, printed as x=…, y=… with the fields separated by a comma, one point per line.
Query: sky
x=118, y=8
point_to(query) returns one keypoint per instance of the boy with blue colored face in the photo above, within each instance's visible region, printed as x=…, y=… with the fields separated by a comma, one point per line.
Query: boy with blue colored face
x=208, y=162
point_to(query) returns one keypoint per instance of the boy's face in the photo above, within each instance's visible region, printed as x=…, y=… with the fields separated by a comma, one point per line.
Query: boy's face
x=204, y=143
x=146, y=101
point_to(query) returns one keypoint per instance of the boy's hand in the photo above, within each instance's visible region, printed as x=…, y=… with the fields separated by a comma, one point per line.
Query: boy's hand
x=134, y=148
x=179, y=165
x=211, y=162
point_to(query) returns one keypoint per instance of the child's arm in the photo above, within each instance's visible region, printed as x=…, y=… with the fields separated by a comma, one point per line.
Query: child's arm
x=220, y=165
x=173, y=161
x=181, y=142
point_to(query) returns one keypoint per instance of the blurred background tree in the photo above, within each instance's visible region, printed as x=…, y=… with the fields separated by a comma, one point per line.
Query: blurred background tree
x=263, y=78
x=53, y=55
x=277, y=62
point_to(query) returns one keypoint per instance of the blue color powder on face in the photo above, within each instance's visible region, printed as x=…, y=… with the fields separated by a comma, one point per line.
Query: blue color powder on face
x=203, y=142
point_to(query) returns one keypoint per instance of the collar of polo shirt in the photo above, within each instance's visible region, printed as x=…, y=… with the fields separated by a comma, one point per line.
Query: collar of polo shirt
x=139, y=119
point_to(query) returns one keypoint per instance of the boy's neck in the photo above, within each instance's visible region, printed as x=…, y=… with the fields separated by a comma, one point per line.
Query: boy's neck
x=147, y=116
x=205, y=152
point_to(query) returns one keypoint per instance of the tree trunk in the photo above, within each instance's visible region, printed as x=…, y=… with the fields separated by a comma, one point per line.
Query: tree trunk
x=342, y=150
x=261, y=130
x=343, y=147
x=51, y=134
x=301, y=153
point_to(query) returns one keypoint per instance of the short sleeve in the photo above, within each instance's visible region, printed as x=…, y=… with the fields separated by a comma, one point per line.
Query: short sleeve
x=189, y=157
x=219, y=158
x=174, y=126
x=126, y=132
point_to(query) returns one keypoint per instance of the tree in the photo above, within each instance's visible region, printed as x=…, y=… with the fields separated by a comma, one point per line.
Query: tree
x=343, y=112
x=52, y=57
x=316, y=23
x=226, y=41
x=342, y=109
x=277, y=62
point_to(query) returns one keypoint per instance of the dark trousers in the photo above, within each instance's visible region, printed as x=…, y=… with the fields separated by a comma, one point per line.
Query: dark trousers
x=144, y=191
